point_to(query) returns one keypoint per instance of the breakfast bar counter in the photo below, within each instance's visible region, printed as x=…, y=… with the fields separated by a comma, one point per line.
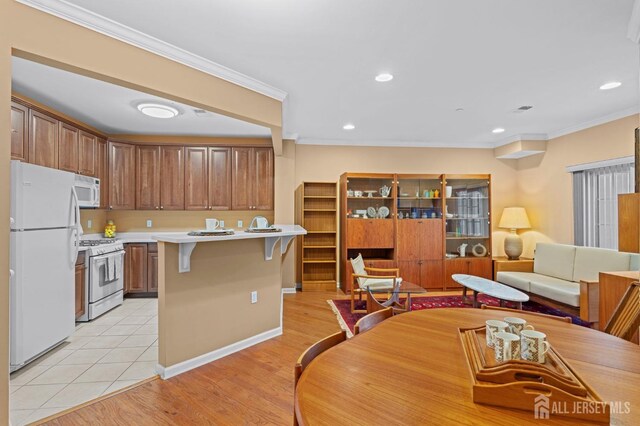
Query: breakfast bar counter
x=217, y=294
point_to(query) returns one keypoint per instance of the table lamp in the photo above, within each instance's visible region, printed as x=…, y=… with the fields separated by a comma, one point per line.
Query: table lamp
x=514, y=218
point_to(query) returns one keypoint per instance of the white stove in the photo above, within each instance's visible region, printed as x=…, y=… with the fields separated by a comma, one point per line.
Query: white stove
x=104, y=261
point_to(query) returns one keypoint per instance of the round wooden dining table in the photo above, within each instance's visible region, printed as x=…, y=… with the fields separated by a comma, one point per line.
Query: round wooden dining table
x=412, y=370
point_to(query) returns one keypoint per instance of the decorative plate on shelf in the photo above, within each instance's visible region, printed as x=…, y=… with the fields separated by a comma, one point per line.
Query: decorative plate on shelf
x=383, y=211
x=371, y=212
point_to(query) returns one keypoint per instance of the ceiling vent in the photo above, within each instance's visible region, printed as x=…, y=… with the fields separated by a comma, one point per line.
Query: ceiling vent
x=201, y=112
x=523, y=108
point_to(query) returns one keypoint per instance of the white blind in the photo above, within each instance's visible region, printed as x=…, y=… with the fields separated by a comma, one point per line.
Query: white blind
x=595, y=203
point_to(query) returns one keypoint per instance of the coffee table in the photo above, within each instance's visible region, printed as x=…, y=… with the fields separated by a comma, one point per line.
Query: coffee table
x=404, y=287
x=490, y=288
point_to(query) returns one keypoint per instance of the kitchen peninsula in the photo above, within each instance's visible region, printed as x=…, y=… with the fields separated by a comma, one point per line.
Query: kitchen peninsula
x=206, y=309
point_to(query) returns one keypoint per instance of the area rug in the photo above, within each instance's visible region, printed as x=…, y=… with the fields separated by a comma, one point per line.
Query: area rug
x=346, y=319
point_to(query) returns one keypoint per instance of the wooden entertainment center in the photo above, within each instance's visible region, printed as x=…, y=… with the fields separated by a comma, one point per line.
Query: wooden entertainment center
x=418, y=226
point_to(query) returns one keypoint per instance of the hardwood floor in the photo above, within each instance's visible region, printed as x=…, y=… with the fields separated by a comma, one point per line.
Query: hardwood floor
x=254, y=386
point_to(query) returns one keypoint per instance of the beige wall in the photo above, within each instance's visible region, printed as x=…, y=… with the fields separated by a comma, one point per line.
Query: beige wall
x=545, y=187
x=285, y=186
x=210, y=307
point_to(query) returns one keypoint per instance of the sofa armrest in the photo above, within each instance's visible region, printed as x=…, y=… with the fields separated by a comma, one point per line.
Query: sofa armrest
x=589, y=301
x=503, y=265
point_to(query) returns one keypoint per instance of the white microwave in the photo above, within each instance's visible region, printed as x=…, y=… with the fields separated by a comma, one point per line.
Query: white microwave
x=88, y=191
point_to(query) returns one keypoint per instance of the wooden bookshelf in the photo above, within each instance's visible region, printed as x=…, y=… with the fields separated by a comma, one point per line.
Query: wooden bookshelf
x=317, y=212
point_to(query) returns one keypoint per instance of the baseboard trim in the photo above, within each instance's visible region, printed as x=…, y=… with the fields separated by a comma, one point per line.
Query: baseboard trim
x=190, y=364
x=288, y=290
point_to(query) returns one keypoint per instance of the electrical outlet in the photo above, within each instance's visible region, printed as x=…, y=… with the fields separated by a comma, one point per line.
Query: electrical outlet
x=222, y=224
x=149, y=223
x=254, y=297
x=239, y=224
x=89, y=224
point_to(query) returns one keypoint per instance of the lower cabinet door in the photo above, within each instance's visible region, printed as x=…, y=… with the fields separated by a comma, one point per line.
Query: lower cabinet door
x=481, y=267
x=454, y=266
x=80, y=290
x=410, y=271
x=432, y=274
x=135, y=264
x=152, y=272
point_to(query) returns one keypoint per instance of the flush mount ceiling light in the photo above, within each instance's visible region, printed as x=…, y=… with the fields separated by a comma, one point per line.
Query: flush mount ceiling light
x=348, y=126
x=384, y=77
x=498, y=130
x=157, y=110
x=610, y=85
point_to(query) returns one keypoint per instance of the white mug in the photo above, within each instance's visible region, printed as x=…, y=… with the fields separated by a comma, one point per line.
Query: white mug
x=448, y=191
x=517, y=325
x=212, y=224
x=533, y=345
x=493, y=327
x=506, y=346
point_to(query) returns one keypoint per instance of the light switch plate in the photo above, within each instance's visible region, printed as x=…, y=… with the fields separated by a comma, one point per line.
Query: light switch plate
x=89, y=224
x=149, y=223
x=239, y=224
x=254, y=297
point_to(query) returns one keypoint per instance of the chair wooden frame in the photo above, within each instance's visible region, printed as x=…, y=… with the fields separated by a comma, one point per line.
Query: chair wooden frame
x=310, y=354
x=369, y=321
x=355, y=287
x=516, y=312
x=625, y=320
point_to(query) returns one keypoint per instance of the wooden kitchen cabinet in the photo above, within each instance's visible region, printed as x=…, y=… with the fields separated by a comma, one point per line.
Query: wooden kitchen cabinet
x=141, y=268
x=220, y=178
x=478, y=266
x=171, y=178
x=43, y=139
x=102, y=171
x=87, y=154
x=160, y=178
x=135, y=266
x=420, y=251
x=122, y=171
x=207, y=178
x=370, y=233
x=252, y=178
x=80, y=285
x=147, y=178
x=19, y=132
x=68, y=137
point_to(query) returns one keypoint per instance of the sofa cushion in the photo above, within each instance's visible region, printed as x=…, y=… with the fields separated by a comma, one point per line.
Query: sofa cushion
x=554, y=260
x=519, y=280
x=555, y=289
x=590, y=261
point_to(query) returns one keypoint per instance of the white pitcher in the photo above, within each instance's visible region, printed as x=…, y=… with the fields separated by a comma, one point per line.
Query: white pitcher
x=462, y=249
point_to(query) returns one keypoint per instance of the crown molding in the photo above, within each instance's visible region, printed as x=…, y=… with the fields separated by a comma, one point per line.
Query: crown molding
x=393, y=144
x=595, y=122
x=103, y=25
x=521, y=137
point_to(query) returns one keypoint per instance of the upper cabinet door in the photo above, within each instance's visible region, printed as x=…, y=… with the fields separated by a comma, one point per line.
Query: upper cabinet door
x=122, y=170
x=262, y=165
x=86, y=154
x=219, y=178
x=171, y=178
x=19, y=132
x=148, y=178
x=102, y=173
x=68, y=147
x=43, y=139
x=196, y=178
x=241, y=178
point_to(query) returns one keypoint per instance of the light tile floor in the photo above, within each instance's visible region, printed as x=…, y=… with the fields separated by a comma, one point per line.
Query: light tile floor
x=104, y=355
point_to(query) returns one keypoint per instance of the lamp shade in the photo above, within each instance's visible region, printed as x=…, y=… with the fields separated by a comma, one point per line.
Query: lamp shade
x=514, y=218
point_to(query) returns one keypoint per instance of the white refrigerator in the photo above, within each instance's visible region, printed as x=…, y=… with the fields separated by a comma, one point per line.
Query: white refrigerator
x=45, y=230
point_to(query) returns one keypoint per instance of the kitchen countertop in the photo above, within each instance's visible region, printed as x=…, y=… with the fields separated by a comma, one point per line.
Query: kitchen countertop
x=182, y=237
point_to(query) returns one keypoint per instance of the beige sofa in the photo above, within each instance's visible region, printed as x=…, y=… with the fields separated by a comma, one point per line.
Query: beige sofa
x=558, y=270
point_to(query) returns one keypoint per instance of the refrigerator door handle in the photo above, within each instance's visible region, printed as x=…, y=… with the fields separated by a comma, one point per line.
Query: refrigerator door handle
x=77, y=224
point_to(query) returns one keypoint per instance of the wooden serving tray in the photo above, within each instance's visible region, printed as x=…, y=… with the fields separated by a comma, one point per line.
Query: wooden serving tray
x=210, y=234
x=263, y=230
x=518, y=383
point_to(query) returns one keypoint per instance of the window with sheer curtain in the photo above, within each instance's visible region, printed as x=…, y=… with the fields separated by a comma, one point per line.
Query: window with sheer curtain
x=595, y=201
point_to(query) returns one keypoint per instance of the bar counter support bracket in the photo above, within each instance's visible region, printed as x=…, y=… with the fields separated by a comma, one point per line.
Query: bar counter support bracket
x=184, y=251
x=270, y=244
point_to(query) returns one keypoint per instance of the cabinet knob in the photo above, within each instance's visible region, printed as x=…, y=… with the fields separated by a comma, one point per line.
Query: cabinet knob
x=156, y=207
x=161, y=207
x=110, y=207
x=14, y=131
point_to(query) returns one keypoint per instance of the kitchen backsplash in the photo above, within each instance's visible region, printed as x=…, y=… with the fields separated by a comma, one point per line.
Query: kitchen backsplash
x=136, y=220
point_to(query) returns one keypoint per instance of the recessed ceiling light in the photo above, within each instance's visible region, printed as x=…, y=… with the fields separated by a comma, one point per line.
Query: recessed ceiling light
x=384, y=77
x=498, y=130
x=610, y=85
x=157, y=110
x=348, y=126
x=459, y=109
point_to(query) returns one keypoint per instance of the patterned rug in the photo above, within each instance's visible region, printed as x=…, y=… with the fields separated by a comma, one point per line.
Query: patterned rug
x=342, y=308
